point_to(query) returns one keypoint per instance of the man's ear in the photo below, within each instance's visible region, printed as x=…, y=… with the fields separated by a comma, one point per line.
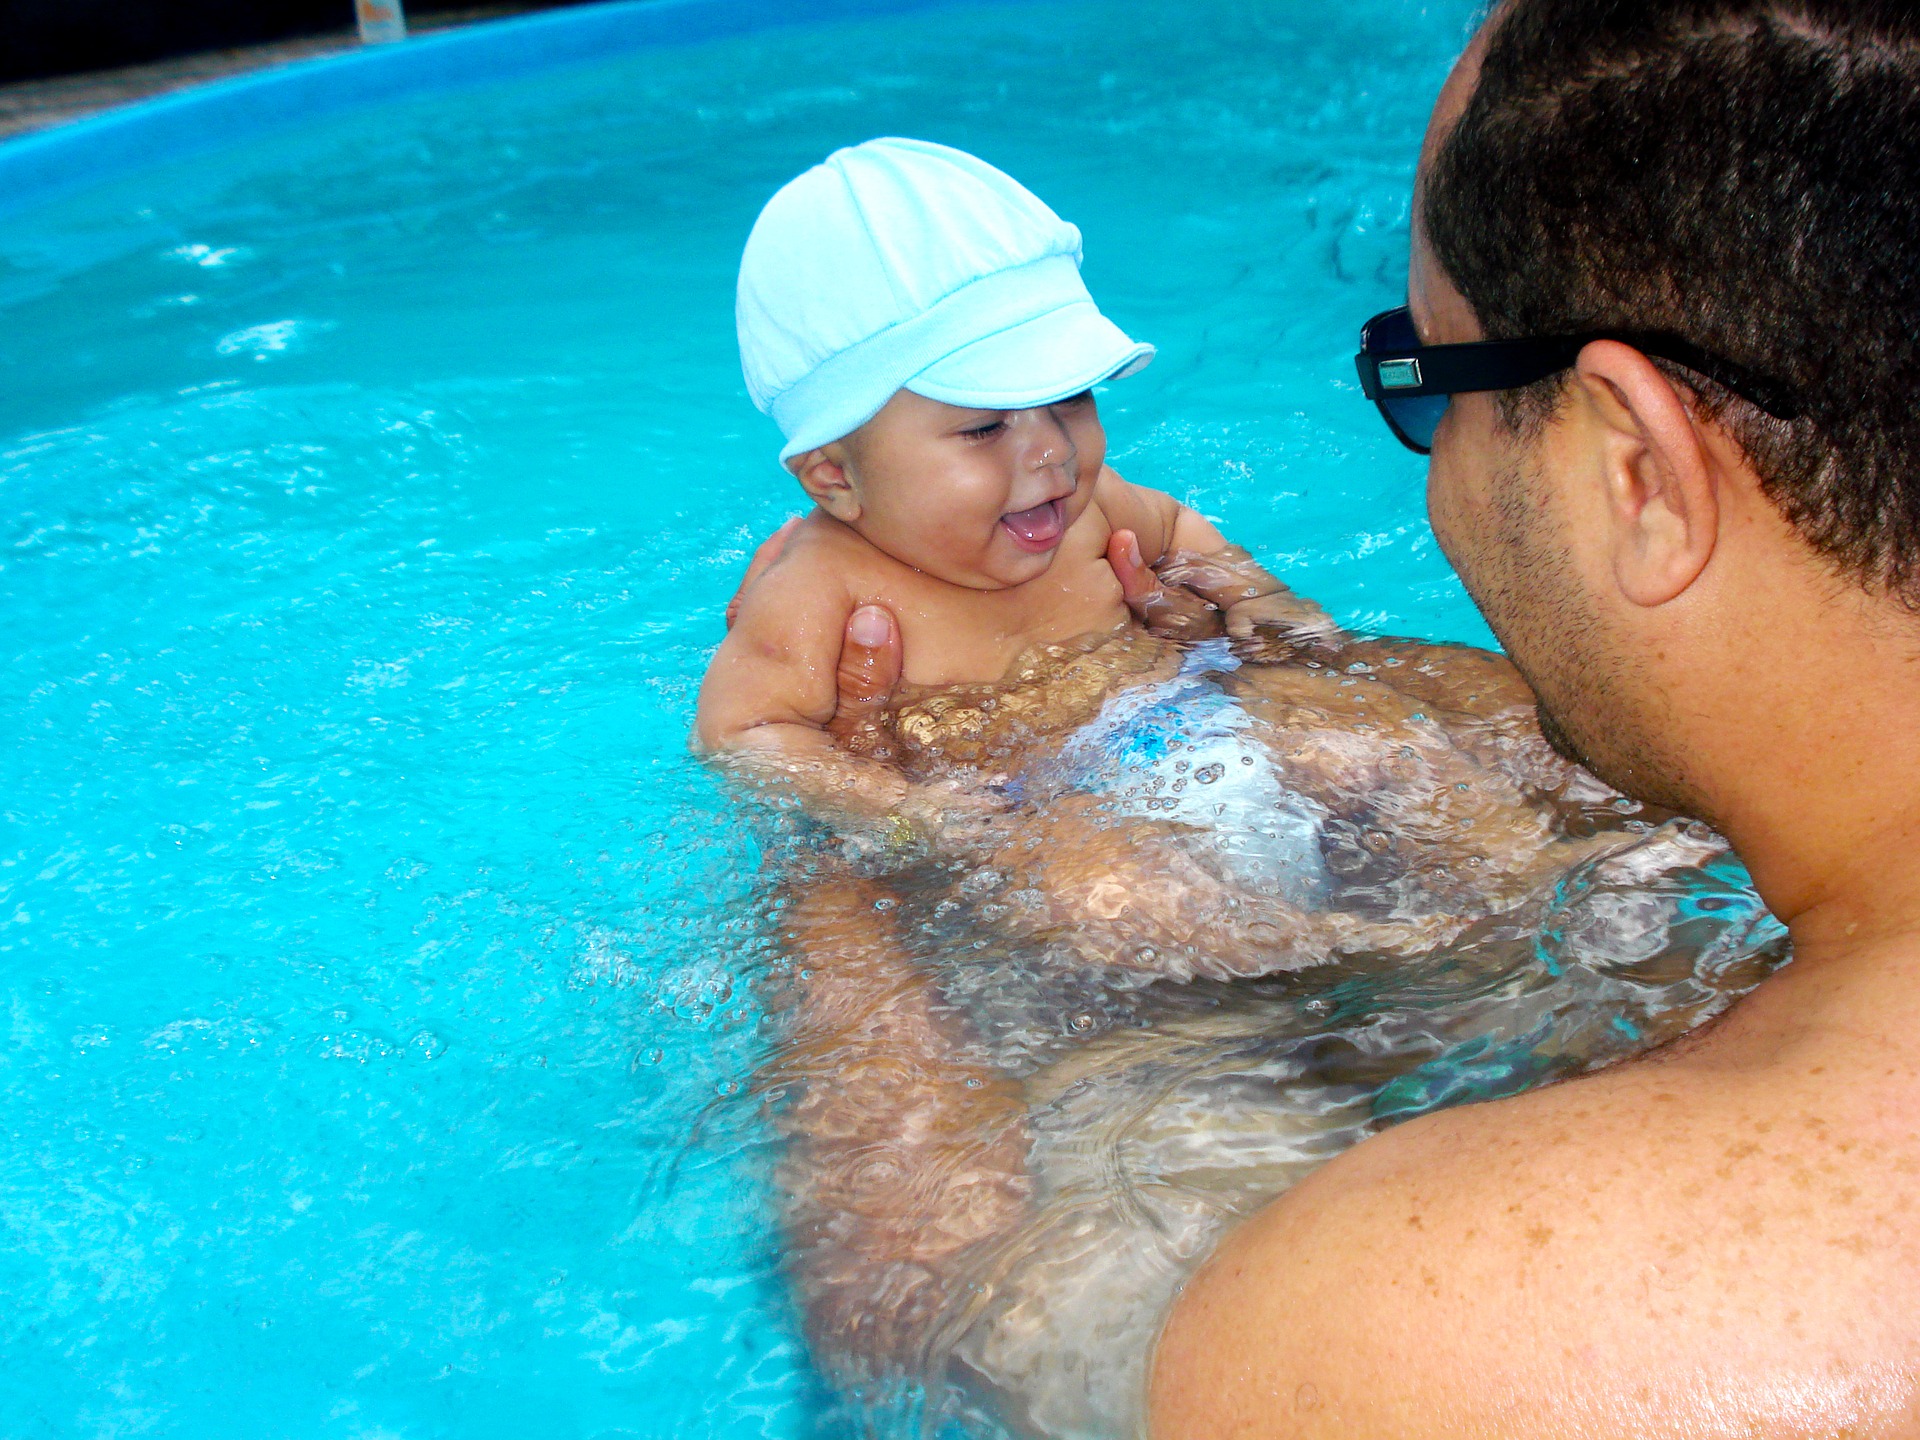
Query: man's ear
x=823, y=475
x=1660, y=473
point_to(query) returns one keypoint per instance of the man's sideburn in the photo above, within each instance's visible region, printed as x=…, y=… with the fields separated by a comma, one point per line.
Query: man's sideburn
x=1518, y=568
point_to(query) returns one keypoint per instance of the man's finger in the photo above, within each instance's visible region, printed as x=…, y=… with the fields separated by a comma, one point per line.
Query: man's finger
x=868, y=674
x=762, y=561
x=1175, y=612
x=1138, y=582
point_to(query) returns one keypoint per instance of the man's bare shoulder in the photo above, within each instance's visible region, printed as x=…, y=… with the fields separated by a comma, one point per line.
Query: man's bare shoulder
x=1668, y=1248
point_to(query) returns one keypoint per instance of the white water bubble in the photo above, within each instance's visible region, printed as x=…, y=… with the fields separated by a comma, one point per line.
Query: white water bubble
x=425, y=1045
x=210, y=257
x=274, y=337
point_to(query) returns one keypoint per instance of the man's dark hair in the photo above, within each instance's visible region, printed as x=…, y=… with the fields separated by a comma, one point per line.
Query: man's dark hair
x=1741, y=173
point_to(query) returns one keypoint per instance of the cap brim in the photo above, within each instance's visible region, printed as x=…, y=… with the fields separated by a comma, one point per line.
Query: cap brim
x=1035, y=362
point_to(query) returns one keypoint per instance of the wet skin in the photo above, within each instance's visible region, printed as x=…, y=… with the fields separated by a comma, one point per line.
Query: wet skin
x=983, y=533
x=906, y=1148
x=1720, y=1239
x=1428, y=754
x=907, y=1151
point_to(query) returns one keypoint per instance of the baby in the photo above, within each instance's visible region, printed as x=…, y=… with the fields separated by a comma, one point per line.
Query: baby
x=917, y=324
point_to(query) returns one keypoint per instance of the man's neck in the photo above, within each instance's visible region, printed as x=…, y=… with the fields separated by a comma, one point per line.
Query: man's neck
x=1818, y=765
x=1865, y=908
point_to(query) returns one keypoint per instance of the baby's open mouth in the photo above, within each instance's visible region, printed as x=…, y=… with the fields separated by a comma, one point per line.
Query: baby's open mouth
x=1039, y=529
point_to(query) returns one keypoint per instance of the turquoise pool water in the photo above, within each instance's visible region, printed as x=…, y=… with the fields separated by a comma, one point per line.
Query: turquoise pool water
x=377, y=964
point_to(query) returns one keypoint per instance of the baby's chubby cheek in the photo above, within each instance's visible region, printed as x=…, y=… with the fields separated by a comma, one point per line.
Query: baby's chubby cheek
x=977, y=552
x=933, y=523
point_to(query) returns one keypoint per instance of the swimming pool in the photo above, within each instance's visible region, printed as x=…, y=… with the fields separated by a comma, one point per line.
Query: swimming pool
x=378, y=964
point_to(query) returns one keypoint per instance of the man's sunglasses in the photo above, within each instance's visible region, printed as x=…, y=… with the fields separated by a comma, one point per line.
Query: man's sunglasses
x=1413, y=383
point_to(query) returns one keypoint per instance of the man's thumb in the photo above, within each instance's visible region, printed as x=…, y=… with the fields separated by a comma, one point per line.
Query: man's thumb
x=870, y=627
x=869, y=670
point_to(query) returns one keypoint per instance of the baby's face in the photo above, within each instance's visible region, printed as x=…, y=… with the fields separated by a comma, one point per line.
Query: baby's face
x=980, y=498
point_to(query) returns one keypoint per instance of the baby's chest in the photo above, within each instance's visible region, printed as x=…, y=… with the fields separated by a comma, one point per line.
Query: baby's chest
x=1048, y=693
x=974, y=636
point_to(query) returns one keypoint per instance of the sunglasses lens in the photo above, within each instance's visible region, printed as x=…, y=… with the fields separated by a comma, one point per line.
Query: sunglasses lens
x=1414, y=418
x=1391, y=331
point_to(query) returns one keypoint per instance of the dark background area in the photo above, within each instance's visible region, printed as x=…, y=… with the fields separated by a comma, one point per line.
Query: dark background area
x=60, y=37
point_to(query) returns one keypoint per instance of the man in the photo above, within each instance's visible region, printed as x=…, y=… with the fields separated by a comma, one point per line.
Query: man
x=1714, y=606
x=1700, y=541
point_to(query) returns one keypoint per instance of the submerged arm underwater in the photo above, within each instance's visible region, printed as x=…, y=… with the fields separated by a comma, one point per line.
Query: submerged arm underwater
x=1425, y=757
x=906, y=1148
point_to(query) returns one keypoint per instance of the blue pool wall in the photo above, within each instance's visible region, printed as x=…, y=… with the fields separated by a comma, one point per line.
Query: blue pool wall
x=52, y=162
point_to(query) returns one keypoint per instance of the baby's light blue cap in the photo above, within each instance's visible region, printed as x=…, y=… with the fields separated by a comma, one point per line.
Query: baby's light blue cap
x=904, y=264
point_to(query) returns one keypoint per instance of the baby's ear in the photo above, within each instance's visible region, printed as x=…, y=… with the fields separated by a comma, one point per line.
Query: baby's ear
x=823, y=475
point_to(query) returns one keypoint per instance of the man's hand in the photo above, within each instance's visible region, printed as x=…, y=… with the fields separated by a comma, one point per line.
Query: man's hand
x=1176, y=613
x=1283, y=629
x=868, y=674
x=871, y=657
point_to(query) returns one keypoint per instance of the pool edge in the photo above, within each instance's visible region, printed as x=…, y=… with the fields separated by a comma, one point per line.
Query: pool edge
x=45, y=164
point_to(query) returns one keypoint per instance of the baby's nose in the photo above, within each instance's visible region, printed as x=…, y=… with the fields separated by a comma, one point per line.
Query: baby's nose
x=1048, y=443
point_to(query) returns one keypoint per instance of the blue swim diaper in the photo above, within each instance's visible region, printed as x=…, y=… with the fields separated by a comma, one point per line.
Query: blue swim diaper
x=1180, y=750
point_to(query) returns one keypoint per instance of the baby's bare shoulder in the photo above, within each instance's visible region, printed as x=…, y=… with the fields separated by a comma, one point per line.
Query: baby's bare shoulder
x=824, y=550
x=776, y=663
x=821, y=568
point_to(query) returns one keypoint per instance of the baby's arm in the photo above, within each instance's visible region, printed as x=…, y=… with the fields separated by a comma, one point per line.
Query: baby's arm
x=771, y=711
x=1185, y=548
x=770, y=693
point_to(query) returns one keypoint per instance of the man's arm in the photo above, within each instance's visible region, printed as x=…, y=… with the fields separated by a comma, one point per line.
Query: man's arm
x=1162, y=550
x=1169, y=559
x=907, y=1152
